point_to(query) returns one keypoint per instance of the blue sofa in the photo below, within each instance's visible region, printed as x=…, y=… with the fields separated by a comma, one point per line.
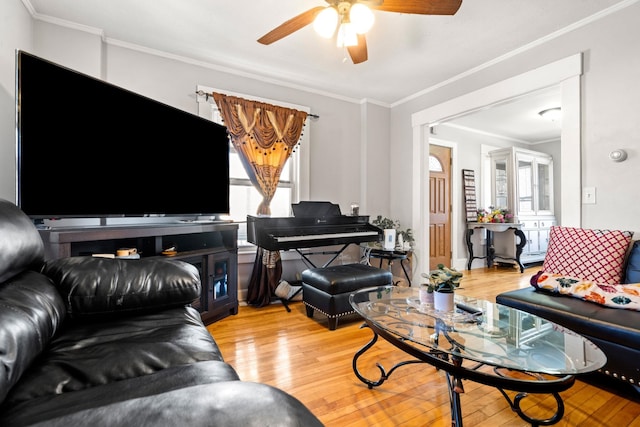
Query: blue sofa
x=616, y=331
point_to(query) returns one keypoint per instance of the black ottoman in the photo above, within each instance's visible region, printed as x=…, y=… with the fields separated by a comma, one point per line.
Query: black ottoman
x=327, y=289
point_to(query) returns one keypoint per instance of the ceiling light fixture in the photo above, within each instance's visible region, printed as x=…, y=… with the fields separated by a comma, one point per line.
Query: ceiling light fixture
x=552, y=114
x=347, y=35
x=361, y=17
x=353, y=19
x=326, y=22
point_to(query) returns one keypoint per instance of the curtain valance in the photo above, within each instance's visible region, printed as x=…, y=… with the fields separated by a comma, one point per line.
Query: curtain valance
x=265, y=135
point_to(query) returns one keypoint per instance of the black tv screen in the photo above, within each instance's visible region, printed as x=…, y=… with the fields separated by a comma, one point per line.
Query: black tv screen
x=90, y=149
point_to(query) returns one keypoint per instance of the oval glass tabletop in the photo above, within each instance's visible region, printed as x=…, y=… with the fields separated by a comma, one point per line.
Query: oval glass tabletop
x=479, y=331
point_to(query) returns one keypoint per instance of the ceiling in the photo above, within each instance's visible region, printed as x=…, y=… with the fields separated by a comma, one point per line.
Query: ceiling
x=407, y=53
x=517, y=120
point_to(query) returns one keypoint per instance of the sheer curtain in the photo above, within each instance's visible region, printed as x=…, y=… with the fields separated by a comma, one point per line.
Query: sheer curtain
x=264, y=135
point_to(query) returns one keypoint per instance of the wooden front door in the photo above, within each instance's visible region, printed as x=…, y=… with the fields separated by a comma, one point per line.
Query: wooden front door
x=439, y=206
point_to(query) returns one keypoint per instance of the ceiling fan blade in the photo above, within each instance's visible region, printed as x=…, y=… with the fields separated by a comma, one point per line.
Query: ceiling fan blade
x=290, y=26
x=420, y=7
x=359, y=53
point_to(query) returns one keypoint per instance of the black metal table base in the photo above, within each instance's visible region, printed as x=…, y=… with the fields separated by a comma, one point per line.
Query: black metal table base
x=391, y=256
x=490, y=253
x=455, y=373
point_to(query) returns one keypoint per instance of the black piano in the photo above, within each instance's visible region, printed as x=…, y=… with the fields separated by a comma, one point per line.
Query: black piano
x=314, y=224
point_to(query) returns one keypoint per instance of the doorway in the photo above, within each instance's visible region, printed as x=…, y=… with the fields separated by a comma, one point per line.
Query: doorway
x=565, y=73
x=439, y=206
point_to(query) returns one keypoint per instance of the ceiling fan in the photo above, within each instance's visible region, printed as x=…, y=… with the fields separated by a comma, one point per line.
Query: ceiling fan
x=353, y=18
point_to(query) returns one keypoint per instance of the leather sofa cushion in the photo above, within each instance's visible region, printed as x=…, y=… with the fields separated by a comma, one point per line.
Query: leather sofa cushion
x=105, y=287
x=87, y=354
x=31, y=311
x=173, y=378
x=206, y=403
x=21, y=247
x=592, y=320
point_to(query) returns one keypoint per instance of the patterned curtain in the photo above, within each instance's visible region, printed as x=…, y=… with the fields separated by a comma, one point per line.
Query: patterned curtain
x=264, y=136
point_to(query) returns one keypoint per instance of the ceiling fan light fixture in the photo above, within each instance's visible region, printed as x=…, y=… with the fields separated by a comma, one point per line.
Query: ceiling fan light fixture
x=326, y=22
x=347, y=35
x=552, y=114
x=361, y=18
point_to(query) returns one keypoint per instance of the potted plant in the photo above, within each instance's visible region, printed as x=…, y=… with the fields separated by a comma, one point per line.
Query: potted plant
x=385, y=223
x=426, y=292
x=404, y=238
x=407, y=239
x=443, y=281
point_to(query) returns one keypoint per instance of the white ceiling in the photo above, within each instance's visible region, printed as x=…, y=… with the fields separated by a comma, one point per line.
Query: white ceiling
x=407, y=53
x=517, y=120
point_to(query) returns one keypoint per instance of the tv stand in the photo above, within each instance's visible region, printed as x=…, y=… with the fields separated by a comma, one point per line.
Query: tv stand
x=212, y=247
x=40, y=225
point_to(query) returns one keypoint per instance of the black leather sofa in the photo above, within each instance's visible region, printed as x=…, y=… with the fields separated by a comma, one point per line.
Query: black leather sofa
x=616, y=331
x=113, y=342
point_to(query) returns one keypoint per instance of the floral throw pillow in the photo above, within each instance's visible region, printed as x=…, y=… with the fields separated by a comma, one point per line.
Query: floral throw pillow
x=617, y=296
x=596, y=255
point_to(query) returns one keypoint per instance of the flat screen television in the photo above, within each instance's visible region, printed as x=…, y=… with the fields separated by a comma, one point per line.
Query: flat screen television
x=90, y=149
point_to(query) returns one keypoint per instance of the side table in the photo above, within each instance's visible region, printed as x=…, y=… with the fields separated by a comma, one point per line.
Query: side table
x=390, y=256
x=490, y=252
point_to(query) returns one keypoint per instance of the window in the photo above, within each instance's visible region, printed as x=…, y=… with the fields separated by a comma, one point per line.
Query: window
x=243, y=197
x=434, y=164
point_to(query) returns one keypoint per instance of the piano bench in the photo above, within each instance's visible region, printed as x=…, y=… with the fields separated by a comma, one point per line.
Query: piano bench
x=327, y=289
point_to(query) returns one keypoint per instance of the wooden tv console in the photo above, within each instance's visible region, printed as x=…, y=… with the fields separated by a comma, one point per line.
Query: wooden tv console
x=212, y=247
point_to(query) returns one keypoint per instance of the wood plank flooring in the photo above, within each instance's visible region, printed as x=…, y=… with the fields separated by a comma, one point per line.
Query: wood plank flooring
x=301, y=356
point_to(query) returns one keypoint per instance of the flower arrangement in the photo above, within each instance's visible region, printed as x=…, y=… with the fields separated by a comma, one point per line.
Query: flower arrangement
x=443, y=279
x=494, y=215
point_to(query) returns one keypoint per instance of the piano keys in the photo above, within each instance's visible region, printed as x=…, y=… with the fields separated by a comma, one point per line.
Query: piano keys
x=284, y=233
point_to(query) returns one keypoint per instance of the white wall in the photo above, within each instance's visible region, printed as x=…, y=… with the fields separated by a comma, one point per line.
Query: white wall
x=16, y=32
x=375, y=146
x=80, y=50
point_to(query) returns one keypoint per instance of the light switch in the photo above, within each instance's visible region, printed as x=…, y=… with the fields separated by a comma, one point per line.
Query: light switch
x=589, y=196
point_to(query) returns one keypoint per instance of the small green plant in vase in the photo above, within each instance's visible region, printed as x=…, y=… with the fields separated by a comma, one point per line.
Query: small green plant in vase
x=443, y=280
x=385, y=223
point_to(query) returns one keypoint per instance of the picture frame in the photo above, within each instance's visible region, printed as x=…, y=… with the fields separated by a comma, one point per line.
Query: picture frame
x=470, y=201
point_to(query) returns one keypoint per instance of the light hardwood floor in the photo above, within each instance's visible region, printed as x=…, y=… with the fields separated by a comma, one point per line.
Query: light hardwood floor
x=301, y=356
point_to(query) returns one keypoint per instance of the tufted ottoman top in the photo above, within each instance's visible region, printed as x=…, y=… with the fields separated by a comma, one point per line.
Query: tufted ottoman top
x=340, y=279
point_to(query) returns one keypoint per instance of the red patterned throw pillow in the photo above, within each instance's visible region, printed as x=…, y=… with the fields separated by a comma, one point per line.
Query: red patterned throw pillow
x=596, y=255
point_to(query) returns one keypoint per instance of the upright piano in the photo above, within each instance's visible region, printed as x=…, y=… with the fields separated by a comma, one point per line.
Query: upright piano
x=315, y=224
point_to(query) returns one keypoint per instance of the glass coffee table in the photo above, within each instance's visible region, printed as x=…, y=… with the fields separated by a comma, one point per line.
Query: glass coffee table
x=480, y=341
